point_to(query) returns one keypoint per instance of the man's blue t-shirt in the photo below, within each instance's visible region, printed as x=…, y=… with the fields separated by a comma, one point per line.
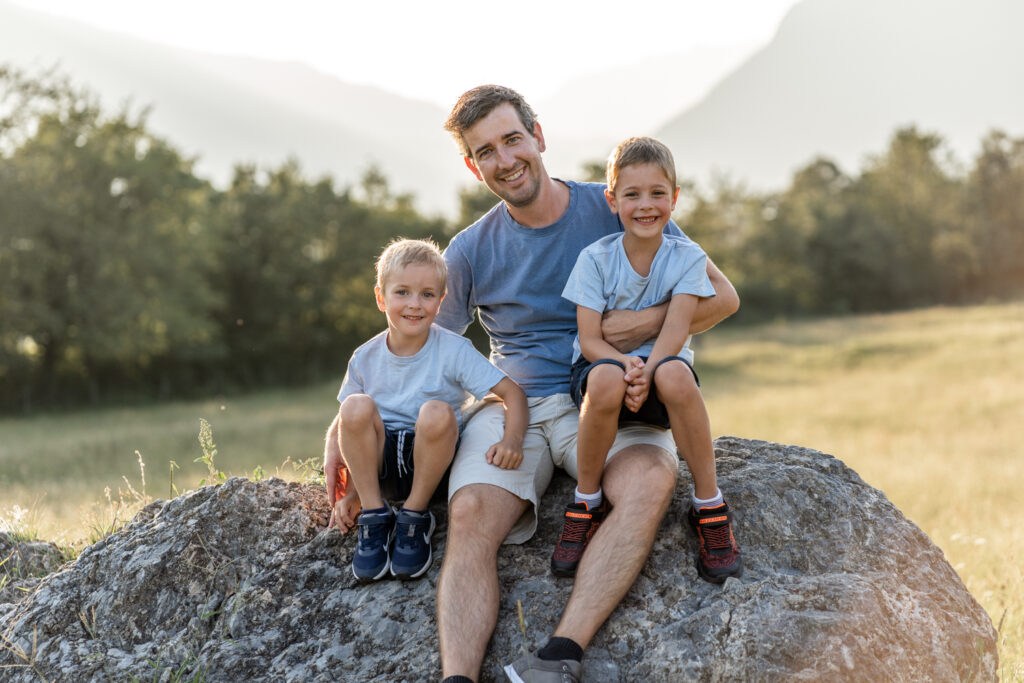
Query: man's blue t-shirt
x=514, y=276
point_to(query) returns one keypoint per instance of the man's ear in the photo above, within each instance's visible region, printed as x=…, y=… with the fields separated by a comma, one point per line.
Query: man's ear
x=472, y=167
x=380, y=299
x=610, y=198
x=538, y=135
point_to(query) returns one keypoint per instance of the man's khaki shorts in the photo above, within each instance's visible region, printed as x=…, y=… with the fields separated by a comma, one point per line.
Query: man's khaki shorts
x=550, y=442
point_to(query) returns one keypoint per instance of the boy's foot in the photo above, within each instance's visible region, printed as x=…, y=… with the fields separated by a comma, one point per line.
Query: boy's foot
x=532, y=669
x=372, y=557
x=579, y=526
x=719, y=556
x=411, y=556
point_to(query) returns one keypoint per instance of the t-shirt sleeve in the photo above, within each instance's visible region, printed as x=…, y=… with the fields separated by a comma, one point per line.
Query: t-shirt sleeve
x=476, y=374
x=693, y=272
x=585, y=286
x=352, y=383
x=456, y=312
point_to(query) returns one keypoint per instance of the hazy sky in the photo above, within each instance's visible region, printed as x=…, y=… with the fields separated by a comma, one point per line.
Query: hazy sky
x=432, y=50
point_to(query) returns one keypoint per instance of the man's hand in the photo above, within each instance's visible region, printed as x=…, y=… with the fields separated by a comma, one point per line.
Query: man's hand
x=506, y=454
x=628, y=330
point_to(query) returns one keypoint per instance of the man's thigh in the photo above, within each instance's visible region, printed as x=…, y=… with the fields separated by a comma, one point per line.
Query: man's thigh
x=563, y=443
x=486, y=427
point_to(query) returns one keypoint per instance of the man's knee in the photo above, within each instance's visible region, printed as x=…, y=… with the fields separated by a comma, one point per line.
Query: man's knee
x=474, y=519
x=642, y=473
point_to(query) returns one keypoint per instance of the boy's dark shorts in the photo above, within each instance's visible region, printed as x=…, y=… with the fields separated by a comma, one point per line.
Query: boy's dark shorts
x=396, y=467
x=652, y=412
x=395, y=475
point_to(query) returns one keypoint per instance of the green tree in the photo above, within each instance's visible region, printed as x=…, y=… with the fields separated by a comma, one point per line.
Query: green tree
x=103, y=264
x=996, y=210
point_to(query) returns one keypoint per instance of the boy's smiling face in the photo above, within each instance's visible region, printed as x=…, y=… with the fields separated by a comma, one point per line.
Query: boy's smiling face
x=410, y=298
x=644, y=199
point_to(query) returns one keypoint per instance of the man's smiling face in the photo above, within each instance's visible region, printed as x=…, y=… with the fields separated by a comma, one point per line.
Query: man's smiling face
x=506, y=156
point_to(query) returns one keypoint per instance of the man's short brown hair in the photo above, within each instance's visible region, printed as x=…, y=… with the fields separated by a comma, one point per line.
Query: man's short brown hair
x=640, y=150
x=477, y=103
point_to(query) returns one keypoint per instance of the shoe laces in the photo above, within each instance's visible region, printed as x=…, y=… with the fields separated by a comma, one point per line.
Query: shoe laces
x=575, y=530
x=717, y=537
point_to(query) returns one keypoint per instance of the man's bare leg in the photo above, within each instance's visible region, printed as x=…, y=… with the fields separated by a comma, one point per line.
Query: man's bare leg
x=639, y=482
x=479, y=518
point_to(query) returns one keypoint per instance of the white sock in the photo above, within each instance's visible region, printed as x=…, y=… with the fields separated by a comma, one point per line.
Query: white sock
x=712, y=502
x=593, y=500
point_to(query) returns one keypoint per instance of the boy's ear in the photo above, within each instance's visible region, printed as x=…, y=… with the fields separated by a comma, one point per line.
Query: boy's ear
x=675, y=197
x=472, y=167
x=380, y=299
x=610, y=198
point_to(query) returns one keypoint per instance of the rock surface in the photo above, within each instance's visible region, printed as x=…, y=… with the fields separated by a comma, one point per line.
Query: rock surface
x=240, y=582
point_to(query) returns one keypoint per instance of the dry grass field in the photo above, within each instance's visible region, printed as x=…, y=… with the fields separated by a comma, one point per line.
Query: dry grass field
x=927, y=406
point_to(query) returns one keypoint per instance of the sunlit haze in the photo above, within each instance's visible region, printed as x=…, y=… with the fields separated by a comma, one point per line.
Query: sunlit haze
x=434, y=51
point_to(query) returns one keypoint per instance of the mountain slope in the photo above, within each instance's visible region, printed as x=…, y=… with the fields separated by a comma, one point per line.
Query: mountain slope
x=228, y=109
x=841, y=75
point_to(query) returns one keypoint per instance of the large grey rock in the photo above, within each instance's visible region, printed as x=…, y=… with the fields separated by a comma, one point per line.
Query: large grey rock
x=241, y=582
x=23, y=564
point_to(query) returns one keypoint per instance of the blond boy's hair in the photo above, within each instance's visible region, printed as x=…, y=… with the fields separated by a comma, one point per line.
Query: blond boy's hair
x=401, y=252
x=639, y=150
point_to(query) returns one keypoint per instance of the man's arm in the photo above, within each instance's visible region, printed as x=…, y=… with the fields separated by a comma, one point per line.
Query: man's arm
x=626, y=330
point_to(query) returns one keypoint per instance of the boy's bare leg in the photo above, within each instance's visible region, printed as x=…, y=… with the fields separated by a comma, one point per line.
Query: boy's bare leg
x=437, y=431
x=599, y=421
x=639, y=482
x=479, y=518
x=362, y=446
x=677, y=389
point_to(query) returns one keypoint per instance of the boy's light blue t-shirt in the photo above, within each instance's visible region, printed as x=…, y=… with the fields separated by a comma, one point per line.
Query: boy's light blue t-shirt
x=604, y=280
x=448, y=368
x=514, y=275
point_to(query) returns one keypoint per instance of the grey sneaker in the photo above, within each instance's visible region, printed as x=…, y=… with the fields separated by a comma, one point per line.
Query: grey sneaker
x=532, y=669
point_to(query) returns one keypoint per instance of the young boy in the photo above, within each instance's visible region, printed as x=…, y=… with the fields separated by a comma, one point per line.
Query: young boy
x=401, y=412
x=636, y=269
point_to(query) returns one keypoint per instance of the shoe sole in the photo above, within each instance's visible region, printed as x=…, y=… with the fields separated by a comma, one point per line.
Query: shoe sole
x=430, y=557
x=512, y=675
x=565, y=573
x=710, y=578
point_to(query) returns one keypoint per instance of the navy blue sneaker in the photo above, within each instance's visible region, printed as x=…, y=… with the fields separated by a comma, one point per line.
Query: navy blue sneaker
x=372, y=557
x=411, y=556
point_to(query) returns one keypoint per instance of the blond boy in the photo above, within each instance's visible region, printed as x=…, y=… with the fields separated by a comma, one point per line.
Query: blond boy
x=401, y=414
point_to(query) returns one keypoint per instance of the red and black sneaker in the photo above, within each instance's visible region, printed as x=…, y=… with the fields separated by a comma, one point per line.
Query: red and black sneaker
x=719, y=556
x=580, y=525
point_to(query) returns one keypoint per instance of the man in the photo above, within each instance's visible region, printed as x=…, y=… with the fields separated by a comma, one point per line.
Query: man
x=510, y=267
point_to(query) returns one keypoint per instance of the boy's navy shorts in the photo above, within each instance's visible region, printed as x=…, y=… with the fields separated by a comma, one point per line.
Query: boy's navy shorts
x=395, y=476
x=396, y=467
x=652, y=412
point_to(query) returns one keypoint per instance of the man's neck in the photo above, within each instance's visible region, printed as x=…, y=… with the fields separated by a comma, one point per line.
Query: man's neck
x=550, y=205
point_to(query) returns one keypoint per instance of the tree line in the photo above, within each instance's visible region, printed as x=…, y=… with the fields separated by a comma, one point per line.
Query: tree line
x=124, y=275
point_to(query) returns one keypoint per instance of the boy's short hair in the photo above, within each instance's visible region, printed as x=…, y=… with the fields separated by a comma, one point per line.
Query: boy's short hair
x=401, y=252
x=639, y=150
x=477, y=103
